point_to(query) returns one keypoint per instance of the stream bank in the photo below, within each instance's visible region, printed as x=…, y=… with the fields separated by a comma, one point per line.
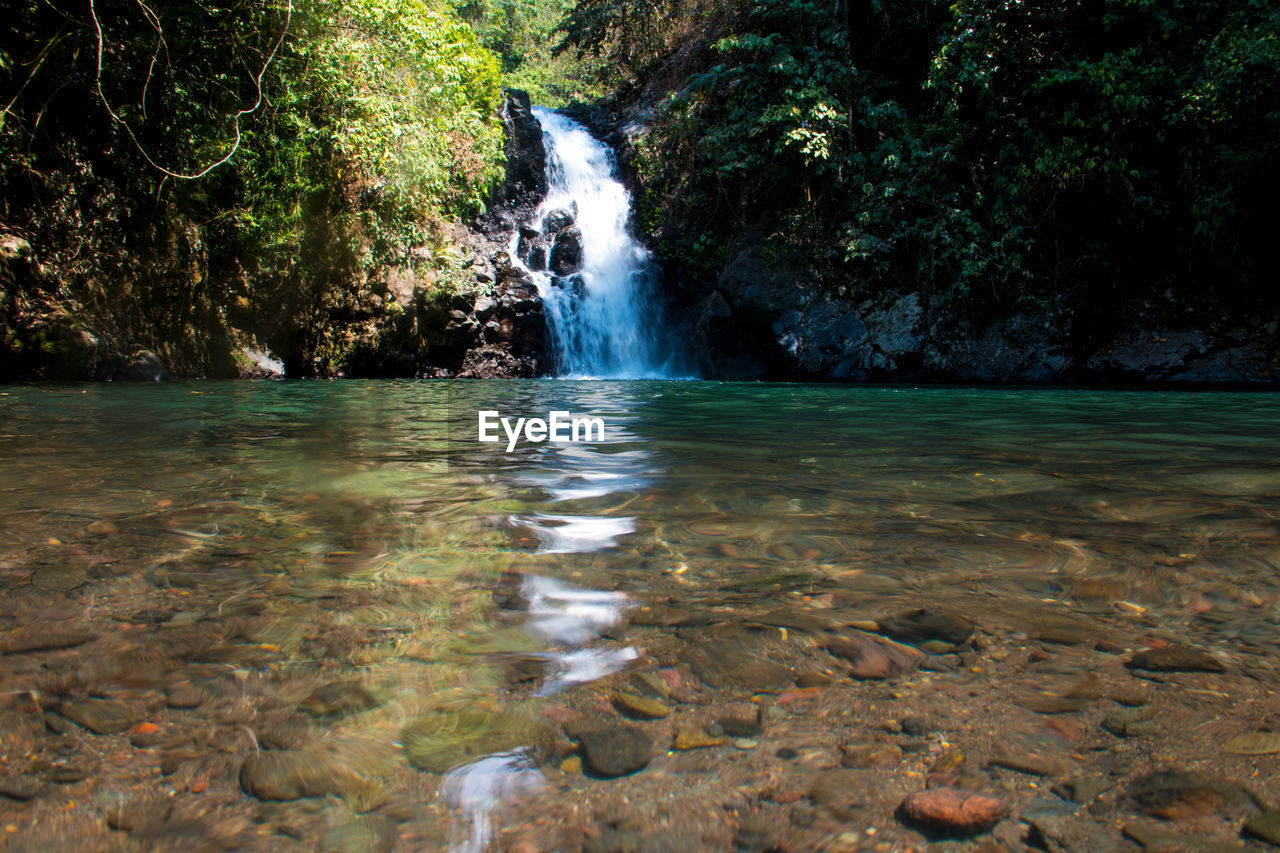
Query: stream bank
x=459, y=305
x=111, y=294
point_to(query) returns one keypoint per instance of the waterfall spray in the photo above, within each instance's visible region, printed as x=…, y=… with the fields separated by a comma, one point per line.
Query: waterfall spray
x=596, y=281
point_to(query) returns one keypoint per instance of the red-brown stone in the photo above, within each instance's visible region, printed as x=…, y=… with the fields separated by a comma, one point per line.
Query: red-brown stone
x=952, y=811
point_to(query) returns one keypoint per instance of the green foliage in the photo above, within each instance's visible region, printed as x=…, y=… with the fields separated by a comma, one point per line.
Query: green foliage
x=348, y=130
x=390, y=99
x=1003, y=150
x=521, y=34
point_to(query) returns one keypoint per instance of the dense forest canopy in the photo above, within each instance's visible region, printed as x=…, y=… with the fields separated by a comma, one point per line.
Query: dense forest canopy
x=1006, y=149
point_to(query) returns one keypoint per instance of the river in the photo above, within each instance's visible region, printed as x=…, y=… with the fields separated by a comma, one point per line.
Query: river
x=301, y=613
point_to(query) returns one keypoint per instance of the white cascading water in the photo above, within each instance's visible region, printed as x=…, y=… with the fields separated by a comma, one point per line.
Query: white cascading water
x=601, y=310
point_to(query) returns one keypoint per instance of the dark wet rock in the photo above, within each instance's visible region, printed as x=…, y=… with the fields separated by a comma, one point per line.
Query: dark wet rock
x=1176, y=658
x=1265, y=826
x=290, y=775
x=566, y=252
x=1179, y=795
x=142, y=366
x=786, y=753
x=740, y=726
x=525, y=179
x=952, y=812
x=101, y=716
x=632, y=705
x=337, y=699
x=1130, y=722
x=21, y=787
x=922, y=625
x=44, y=637
x=184, y=697
x=556, y=221
x=871, y=658
x=615, y=751
x=443, y=740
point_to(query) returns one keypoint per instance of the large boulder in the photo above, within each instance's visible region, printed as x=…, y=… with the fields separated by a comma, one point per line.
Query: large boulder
x=566, y=252
x=525, y=180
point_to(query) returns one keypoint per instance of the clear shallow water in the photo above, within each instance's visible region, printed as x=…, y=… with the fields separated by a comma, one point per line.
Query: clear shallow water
x=258, y=540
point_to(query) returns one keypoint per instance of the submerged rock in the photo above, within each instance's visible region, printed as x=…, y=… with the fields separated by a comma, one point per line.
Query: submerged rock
x=20, y=787
x=615, y=751
x=1265, y=826
x=1181, y=795
x=338, y=698
x=734, y=657
x=1176, y=658
x=1254, y=743
x=444, y=740
x=922, y=625
x=952, y=811
x=291, y=775
x=44, y=637
x=1130, y=722
x=638, y=706
x=696, y=737
x=871, y=658
x=101, y=716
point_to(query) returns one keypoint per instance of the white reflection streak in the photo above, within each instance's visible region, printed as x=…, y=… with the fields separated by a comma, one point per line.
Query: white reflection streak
x=569, y=614
x=572, y=534
x=478, y=789
x=583, y=665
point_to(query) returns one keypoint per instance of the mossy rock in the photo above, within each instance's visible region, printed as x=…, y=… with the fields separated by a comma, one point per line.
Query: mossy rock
x=444, y=740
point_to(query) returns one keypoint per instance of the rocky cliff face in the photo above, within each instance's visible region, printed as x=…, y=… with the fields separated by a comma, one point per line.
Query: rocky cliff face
x=765, y=317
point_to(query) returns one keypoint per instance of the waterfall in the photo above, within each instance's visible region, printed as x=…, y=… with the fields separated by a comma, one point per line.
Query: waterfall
x=595, y=280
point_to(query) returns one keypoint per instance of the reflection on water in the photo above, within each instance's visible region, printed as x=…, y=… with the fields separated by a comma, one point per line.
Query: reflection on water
x=570, y=615
x=322, y=564
x=476, y=789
